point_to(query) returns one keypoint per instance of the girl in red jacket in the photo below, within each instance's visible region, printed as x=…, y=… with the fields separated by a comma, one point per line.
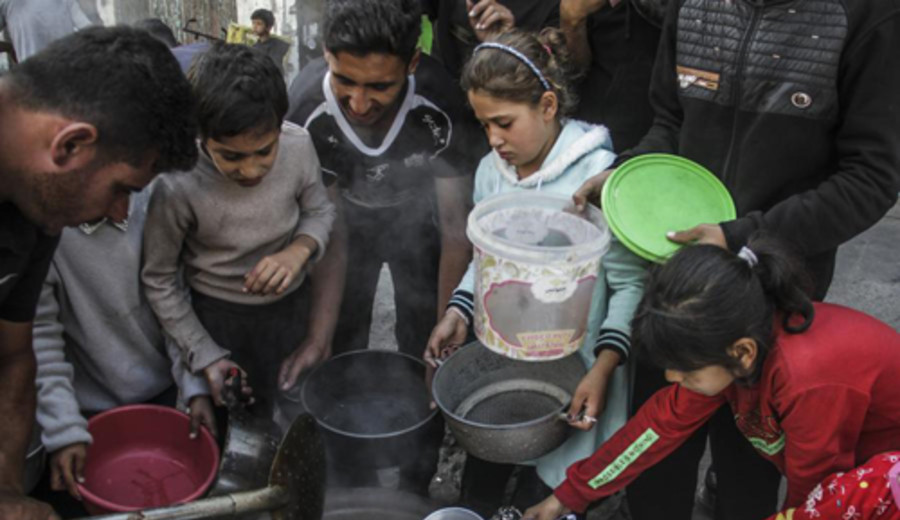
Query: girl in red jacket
x=813, y=387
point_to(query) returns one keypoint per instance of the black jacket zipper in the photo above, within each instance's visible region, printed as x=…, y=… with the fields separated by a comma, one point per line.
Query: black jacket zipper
x=736, y=89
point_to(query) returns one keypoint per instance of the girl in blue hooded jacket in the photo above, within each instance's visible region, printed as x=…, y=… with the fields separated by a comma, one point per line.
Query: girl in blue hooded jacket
x=519, y=86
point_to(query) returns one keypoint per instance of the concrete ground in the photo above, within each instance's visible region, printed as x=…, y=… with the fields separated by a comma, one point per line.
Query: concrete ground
x=867, y=278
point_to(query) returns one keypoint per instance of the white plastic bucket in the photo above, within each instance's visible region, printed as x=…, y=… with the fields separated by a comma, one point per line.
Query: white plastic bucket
x=536, y=264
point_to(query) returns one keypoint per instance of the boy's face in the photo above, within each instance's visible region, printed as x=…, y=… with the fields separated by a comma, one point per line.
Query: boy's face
x=244, y=158
x=259, y=27
x=367, y=87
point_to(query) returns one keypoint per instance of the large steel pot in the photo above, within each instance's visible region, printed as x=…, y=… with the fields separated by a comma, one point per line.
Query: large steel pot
x=505, y=410
x=375, y=504
x=373, y=408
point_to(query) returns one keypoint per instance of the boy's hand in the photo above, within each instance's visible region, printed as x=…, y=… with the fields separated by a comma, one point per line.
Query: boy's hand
x=306, y=355
x=488, y=17
x=447, y=336
x=217, y=375
x=18, y=506
x=67, y=468
x=590, y=191
x=590, y=395
x=201, y=412
x=275, y=273
x=550, y=509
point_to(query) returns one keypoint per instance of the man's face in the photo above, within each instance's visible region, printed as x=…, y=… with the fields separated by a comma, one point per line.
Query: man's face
x=245, y=158
x=69, y=198
x=260, y=28
x=367, y=87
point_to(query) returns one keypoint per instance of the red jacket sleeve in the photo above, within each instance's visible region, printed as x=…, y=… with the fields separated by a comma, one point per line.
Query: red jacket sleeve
x=822, y=425
x=664, y=422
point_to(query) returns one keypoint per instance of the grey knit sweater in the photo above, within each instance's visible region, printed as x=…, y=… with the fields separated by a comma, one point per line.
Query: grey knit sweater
x=218, y=230
x=97, y=342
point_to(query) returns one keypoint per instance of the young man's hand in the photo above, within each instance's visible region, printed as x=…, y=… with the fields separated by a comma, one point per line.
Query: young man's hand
x=550, y=509
x=447, y=336
x=67, y=468
x=306, y=355
x=590, y=395
x=489, y=17
x=275, y=273
x=590, y=191
x=18, y=506
x=201, y=412
x=218, y=374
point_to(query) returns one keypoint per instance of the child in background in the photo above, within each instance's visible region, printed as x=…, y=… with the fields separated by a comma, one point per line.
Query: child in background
x=813, y=387
x=243, y=225
x=519, y=86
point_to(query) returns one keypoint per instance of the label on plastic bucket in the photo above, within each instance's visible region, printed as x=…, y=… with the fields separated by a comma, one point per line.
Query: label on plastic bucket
x=532, y=311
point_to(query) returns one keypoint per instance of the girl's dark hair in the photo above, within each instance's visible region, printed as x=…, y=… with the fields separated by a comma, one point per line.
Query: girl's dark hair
x=238, y=89
x=705, y=298
x=362, y=27
x=502, y=75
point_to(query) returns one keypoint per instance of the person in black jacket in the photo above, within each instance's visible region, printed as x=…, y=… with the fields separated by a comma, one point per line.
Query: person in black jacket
x=795, y=106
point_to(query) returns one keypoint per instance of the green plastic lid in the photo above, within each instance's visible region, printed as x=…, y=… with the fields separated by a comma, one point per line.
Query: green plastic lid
x=650, y=195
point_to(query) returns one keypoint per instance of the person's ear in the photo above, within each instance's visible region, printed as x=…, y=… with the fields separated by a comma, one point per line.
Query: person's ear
x=74, y=145
x=413, y=63
x=745, y=351
x=548, y=105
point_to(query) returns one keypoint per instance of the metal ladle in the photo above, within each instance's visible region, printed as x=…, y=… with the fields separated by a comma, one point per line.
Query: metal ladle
x=295, y=491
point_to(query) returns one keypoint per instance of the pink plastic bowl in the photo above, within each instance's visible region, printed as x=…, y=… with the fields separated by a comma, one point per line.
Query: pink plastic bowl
x=142, y=458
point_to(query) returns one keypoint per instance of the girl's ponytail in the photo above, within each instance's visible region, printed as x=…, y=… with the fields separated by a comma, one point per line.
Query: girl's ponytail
x=785, y=282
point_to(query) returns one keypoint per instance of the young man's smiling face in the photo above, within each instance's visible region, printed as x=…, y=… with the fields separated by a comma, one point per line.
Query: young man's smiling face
x=368, y=87
x=244, y=158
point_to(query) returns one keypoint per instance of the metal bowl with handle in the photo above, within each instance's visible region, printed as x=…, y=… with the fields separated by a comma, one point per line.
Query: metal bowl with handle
x=505, y=410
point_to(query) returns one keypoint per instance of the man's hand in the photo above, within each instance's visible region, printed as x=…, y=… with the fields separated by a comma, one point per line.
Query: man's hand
x=217, y=374
x=702, y=234
x=201, y=412
x=489, y=17
x=275, y=273
x=306, y=355
x=590, y=191
x=576, y=11
x=590, y=395
x=19, y=507
x=550, y=509
x=447, y=336
x=67, y=468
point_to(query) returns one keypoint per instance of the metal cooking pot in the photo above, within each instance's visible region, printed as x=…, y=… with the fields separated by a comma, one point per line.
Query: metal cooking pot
x=375, y=504
x=373, y=408
x=504, y=410
x=454, y=513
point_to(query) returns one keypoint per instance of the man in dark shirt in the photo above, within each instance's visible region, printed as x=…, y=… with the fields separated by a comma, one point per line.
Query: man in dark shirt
x=263, y=22
x=73, y=146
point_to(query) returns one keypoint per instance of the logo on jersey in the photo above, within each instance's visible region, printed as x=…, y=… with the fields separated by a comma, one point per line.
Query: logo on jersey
x=437, y=132
x=376, y=173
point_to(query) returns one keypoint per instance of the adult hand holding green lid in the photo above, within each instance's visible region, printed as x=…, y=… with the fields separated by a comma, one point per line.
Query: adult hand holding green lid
x=700, y=234
x=590, y=191
x=650, y=196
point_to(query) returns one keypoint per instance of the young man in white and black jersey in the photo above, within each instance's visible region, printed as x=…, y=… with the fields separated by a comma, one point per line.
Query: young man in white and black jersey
x=394, y=135
x=398, y=148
